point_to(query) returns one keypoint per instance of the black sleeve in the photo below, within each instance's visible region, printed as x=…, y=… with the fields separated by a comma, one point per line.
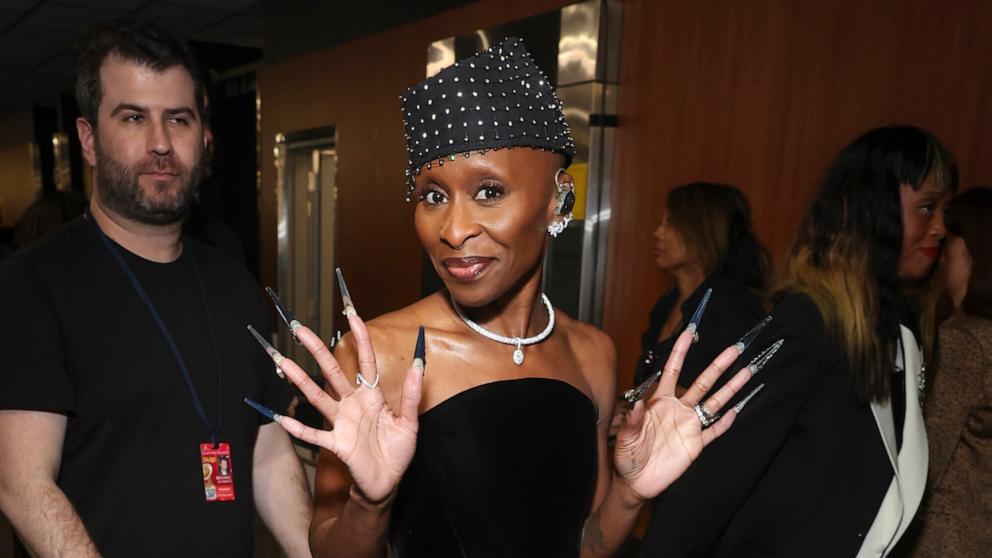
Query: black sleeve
x=691, y=515
x=34, y=376
x=656, y=319
x=731, y=313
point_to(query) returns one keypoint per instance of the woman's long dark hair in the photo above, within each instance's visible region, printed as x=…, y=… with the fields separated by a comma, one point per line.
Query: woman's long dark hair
x=969, y=215
x=846, y=255
x=714, y=221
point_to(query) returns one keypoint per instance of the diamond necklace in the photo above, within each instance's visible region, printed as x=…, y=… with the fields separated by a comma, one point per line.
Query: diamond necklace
x=519, y=342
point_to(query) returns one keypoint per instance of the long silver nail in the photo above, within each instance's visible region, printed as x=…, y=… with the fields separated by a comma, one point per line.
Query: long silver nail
x=759, y=362
x=698, y=315
x=349, y=306
x=272, y=351
x=744, y=342
x=740, y=406
x=631, y=396
x=287, y=316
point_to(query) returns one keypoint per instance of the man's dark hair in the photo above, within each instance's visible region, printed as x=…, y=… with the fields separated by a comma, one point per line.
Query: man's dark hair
x=143, y=42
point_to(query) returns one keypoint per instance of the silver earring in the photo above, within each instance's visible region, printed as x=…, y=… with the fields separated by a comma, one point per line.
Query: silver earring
x=563, y=209
x=556, y=227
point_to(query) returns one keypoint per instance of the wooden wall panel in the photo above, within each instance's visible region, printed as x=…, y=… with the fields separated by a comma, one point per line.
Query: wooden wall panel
x=17, y=182
x=763, y=95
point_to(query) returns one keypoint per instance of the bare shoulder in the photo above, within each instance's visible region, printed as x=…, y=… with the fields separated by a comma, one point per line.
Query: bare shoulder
x=597, y=354
x=393, y=336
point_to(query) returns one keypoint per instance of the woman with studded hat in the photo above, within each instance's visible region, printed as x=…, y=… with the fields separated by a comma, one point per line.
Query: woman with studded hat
x=497, y=447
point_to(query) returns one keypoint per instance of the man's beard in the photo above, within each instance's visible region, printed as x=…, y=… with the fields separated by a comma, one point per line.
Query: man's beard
x=120, y=191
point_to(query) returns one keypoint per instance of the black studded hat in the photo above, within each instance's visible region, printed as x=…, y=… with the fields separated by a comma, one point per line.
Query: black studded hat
x=495, y=99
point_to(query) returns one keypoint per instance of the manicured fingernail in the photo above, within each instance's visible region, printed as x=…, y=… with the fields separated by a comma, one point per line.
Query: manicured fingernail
x=740, y=406
x=419, y=358
x=759, y=362
x=265, y=411
x=632, y=396
x=744, y=342
x=273, y=352
x=287, y=316
x=349, y=306
x=698, y=315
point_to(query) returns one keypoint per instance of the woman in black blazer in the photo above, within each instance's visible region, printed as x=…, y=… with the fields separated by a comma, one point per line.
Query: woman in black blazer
x=831, y=457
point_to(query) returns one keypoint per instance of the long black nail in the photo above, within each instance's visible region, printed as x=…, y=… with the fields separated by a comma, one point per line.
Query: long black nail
x=744, y=342
x=287, y=316
x=265, y=411
x=419, y=355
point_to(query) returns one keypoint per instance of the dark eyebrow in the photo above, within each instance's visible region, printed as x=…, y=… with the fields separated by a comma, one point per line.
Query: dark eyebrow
x=181, y=110
x=128, y=106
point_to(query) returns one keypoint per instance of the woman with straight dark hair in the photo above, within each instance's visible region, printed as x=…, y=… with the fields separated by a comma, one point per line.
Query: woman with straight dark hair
x=833, y=460
x=956, y=517
x=706, y=244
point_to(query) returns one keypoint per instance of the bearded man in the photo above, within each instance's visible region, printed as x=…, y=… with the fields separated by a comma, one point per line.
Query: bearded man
x=125, y=356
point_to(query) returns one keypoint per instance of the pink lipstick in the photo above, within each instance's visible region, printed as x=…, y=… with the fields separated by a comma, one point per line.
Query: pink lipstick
x=466, y=269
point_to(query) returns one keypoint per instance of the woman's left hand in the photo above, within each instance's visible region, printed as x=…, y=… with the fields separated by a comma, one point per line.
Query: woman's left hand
x=659, y=440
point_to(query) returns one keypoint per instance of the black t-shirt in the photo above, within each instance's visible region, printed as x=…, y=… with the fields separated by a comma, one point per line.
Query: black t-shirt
x=77, y=340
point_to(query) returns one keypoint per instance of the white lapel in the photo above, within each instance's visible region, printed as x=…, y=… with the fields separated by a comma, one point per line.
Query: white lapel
x=910, y=464
x=914, y=459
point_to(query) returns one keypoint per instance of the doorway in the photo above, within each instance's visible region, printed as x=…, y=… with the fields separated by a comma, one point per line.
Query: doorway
x=306, y=170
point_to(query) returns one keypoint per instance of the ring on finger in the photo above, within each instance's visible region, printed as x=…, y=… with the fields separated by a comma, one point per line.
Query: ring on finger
x=361, y=381
x=705, y=417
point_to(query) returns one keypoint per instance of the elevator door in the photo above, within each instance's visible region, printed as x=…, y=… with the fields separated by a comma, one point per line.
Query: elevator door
x=307, y=165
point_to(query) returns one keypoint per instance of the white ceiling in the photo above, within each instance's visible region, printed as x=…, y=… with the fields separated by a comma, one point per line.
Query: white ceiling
x=37, y=36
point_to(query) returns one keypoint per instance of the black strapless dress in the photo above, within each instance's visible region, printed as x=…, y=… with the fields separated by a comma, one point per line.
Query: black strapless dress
x=503, y=469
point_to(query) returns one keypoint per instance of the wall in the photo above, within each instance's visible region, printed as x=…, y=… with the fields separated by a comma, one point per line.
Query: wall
x=313, y=25
x=17, y=186
x=16, y=128
x=763, y=95
x=760, y=94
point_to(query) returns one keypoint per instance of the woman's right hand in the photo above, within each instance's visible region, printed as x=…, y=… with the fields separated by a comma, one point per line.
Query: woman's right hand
x=367, y=435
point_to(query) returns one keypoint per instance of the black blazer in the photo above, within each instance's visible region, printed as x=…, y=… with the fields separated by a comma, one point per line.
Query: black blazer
x=803, y=470
x=732, y=310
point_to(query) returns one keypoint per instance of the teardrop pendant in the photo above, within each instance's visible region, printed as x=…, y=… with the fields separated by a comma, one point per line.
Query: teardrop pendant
x=518, y=356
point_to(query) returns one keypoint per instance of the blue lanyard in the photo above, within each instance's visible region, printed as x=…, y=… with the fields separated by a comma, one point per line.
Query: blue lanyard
x=213, y=430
